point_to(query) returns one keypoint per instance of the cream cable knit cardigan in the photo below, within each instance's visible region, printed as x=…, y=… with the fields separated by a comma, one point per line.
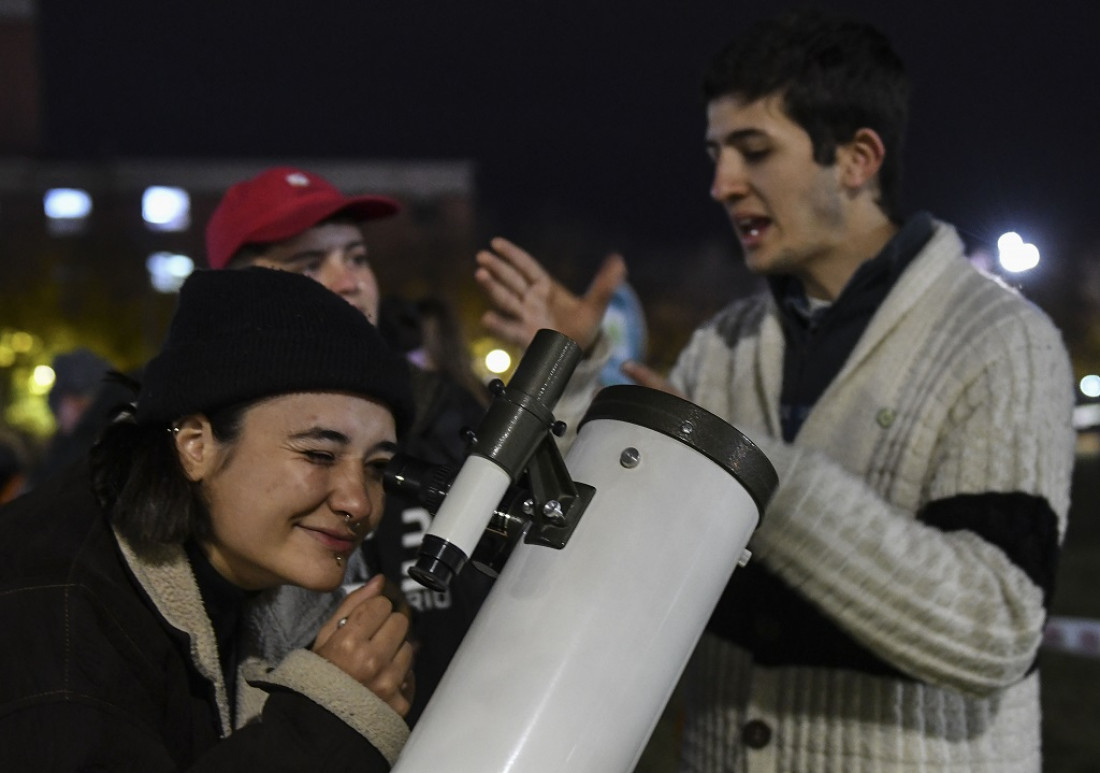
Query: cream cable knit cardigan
x=957, y=386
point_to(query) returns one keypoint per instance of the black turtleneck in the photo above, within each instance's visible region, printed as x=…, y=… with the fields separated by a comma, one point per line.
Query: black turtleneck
x=224, y=604
x=819, y=340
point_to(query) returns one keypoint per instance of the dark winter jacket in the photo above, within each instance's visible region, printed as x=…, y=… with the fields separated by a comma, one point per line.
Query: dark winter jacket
x=109, y=661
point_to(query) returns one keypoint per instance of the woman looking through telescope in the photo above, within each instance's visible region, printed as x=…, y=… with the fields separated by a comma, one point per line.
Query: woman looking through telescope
x=133, y=593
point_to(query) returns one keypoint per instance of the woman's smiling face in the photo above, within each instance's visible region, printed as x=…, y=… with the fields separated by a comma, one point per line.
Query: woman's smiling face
x=299, y=488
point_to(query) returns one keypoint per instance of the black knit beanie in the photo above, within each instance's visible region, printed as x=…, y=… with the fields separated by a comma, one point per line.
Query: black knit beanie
x=257, y=332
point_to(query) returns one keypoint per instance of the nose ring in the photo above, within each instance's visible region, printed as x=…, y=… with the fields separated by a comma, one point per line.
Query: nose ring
x=347, y=520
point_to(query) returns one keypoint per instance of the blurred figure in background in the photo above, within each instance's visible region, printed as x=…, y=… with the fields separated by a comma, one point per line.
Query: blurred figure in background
x=79, y=377
x=450, y=395
x=444, y=348
x=14, y=463
x=293, y=220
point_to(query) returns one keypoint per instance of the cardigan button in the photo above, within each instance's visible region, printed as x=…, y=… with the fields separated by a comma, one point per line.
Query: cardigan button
x=885, y=417
x=756, y=734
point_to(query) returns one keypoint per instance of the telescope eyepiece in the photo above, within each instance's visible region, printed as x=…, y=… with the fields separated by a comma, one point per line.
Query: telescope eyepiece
x=437, y=563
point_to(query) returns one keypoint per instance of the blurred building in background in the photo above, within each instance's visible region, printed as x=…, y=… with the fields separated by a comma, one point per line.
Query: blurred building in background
x=93, y=250
x=20, y=89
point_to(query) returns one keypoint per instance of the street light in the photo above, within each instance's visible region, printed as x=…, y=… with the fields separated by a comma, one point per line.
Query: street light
x=1090, y=385
x=498, y=361
x=1015, y=255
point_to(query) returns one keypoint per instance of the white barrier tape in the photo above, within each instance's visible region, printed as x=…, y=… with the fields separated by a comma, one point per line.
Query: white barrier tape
x=1073, y=635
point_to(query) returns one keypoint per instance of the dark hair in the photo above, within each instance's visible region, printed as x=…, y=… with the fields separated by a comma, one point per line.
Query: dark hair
x=835, y=76
x=139, y=481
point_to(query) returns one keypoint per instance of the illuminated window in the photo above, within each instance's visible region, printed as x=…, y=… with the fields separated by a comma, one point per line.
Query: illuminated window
x=67, y=210
x=167, y=271
x=166, y=209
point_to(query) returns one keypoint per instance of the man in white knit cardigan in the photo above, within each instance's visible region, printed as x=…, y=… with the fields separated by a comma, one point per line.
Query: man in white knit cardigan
x=917, y=411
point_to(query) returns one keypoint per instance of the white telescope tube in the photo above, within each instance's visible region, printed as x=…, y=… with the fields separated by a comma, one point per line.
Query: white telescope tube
x=575, y=652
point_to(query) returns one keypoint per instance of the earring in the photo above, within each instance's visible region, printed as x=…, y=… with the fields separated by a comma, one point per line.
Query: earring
x=354, y=527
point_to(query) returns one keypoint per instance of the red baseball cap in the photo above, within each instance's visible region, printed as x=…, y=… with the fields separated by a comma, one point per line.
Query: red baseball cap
x=280, y=203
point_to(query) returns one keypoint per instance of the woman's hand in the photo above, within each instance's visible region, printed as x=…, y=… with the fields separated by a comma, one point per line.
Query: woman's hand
x=366, y=639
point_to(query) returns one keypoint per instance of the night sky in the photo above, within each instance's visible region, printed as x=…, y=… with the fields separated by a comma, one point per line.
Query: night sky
x=584, y=112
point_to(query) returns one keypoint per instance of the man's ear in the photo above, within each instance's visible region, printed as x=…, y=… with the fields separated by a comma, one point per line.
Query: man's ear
x=860, y=159
x=196, y=446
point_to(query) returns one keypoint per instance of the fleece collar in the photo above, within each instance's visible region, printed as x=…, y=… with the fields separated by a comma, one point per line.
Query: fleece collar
x=166, y=576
